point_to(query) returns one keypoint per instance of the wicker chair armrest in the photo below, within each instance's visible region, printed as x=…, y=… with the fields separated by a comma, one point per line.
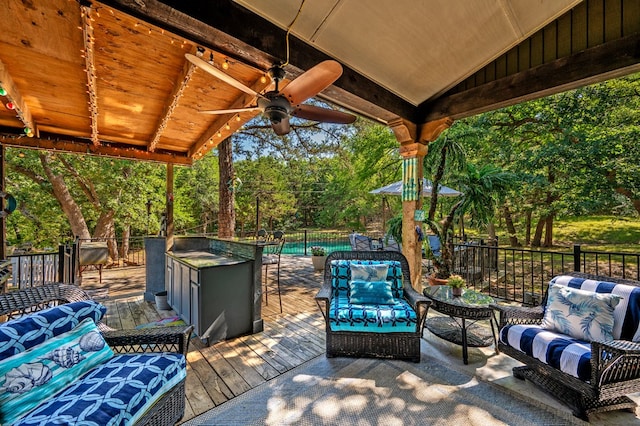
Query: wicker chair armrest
x=615, y=361
x=155, y=339
x=324, y=293
x=519, y=315
x=419, y=302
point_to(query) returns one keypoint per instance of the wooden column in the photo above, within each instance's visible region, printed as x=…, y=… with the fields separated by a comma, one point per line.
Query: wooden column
x=3, y=220
x=414, y=140
x=169, y=203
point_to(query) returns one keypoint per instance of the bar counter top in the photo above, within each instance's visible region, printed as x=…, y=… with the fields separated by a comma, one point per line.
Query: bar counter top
x=205, y=259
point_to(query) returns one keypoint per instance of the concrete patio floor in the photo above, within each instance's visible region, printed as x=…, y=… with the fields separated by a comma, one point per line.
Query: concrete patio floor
x=294, y=337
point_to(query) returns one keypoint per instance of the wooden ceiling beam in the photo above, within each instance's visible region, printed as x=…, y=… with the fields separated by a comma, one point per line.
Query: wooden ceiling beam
x=173, y=99
x=90, y=68
x=211, y=133
x=13, y=95
x=606, y=61
x=229, y=28
x=104, y=149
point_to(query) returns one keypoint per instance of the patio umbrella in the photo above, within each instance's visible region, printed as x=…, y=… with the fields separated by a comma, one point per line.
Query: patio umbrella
x=396, y=189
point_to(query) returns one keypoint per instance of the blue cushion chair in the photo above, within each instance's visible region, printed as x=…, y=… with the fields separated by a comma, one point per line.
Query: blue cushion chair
x=369, y=306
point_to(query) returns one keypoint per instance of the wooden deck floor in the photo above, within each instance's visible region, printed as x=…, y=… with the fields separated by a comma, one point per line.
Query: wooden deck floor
x=227, y=369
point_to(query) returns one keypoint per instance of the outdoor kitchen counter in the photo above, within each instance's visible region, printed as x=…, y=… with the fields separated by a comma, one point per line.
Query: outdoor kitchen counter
x=215, y=291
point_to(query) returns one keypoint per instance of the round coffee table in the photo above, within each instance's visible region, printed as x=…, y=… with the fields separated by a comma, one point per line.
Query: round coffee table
x=463, y=312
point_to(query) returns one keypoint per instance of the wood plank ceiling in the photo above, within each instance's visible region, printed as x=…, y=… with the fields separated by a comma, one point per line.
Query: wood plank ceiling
x=110, y=78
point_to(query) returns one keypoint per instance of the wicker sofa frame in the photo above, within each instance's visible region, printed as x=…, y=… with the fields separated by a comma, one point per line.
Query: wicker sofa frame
x=377, y=345
x=615, y=365
x=170, y=408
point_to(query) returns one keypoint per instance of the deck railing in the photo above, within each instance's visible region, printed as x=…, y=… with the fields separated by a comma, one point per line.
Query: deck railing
x=521, y=275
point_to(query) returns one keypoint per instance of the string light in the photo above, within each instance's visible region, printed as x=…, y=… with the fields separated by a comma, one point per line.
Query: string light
x=219, y=134
x=225, y=65
x=263, y=79
x=237, y=117
x=3, y=92
x=10, y=105
x=226, y=126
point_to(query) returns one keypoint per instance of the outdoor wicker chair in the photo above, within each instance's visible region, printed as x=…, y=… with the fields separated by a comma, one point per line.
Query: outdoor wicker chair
x=388, y=330
x=613, y=367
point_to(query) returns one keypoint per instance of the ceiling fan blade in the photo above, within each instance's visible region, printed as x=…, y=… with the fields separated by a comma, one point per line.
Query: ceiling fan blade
x=205, y=66
x=311, y=112
x=230, y=111
x=281, y=128
x=312, y=82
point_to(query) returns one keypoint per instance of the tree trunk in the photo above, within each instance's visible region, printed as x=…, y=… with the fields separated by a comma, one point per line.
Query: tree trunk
x=70, y=208
x=538, y=235
x=227, y=213
x=126, y=234
x=548, y=235
x=106, y=228
x=511, y=229
x=527, y=238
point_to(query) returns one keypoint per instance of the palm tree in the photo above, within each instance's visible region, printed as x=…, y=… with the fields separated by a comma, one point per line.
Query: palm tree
x=482, y=189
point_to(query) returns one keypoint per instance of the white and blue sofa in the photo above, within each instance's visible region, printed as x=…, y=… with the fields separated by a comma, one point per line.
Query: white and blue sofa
x=58, y=367
x=369, y=306
x=582, y=345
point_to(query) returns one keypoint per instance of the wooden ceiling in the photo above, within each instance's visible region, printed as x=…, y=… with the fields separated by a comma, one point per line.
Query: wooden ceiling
x=110, y=78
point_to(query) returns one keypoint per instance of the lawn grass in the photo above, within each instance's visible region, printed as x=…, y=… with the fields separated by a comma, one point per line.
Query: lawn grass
x=601, y=233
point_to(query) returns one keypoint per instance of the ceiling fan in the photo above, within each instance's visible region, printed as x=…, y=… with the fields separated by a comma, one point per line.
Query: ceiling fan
x=278, y=105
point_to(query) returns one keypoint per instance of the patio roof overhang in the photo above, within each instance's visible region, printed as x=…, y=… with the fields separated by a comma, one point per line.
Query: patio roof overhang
x=110, y=77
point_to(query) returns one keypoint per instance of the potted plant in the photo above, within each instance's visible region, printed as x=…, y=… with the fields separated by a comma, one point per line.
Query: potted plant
x=318, y=257
x=457, y=283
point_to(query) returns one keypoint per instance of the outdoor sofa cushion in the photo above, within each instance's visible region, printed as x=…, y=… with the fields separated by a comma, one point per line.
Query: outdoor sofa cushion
x=34, y=375
x=120, y=391
x=581, y=314
x=344, y=315
x=30, y=330
x=566, y=353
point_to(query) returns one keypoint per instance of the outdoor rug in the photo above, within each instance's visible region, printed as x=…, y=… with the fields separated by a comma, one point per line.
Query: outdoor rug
x=348, y=391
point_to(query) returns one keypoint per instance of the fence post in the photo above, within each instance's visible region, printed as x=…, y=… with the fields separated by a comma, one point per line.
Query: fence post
x=60, y=263
x=305, y=242
x=576, y=257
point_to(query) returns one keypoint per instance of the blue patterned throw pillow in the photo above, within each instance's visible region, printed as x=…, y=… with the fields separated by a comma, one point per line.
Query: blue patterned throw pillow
x=371, y=293
x=374, y=272
x=581, y=314
x=30, y=330
x=33, y=376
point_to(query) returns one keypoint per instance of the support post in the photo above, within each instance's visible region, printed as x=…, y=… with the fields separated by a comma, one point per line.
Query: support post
x=169, y=204
x=414, y=140
x=3, y=219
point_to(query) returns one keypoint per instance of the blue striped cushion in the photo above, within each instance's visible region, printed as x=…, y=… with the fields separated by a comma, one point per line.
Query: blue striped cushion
x=626, y=325
x=557, y=350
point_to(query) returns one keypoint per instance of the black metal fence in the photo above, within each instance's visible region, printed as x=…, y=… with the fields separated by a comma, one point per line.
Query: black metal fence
x=521, y=275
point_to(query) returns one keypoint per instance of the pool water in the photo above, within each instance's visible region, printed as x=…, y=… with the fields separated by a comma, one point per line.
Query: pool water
x=297, y=248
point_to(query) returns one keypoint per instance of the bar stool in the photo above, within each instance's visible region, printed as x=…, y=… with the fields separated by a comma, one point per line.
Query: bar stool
x=271, y=256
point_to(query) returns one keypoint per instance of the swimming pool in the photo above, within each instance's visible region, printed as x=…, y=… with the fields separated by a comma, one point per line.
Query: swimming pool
x=297, y=248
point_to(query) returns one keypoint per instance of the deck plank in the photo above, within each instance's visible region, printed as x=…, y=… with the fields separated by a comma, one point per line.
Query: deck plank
x=225, y=370
x=214, y=388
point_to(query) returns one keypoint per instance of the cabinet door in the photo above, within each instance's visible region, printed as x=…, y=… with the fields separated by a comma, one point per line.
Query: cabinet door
x=168, y=281
x=195, y=304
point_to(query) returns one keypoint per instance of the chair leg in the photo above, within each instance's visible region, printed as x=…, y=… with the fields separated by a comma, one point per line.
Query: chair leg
x=278, y=280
